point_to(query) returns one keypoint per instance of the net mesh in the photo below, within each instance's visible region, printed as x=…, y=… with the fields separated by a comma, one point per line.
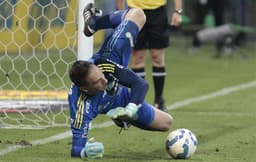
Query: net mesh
x=38, y=41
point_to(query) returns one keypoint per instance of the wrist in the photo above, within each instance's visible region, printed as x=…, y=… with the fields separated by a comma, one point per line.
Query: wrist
x=179, y=11
x=83, y=153
x=133, y=106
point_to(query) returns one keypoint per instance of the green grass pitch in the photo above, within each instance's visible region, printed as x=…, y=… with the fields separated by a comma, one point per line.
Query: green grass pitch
x=224, y=125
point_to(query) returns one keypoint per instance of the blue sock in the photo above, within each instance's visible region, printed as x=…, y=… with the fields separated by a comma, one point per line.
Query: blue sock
x=108, y=21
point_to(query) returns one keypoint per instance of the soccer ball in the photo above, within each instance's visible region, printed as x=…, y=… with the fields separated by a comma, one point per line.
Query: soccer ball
x=181, y=144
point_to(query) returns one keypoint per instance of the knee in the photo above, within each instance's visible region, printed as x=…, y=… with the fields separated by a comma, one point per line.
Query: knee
x=162, y=122
x=168, y=123
x=137, y=15
x=140, y=14
x=158, y=57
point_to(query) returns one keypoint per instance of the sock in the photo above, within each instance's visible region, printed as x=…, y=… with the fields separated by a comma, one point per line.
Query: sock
x=140, y=72
x=108, y=21
x=158, y=74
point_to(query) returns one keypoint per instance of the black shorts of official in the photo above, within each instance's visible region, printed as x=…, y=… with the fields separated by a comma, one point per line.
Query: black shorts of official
x=154, y=33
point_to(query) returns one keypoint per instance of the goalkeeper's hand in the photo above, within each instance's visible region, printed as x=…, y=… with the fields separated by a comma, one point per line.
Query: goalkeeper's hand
x=129, y=112
x=92, y=149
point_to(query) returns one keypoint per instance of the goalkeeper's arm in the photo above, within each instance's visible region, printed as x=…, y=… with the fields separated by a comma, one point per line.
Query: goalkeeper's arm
x=83, y=148
x=91, y=149
x=128, y=78
x=80, y=146
x=139, y=87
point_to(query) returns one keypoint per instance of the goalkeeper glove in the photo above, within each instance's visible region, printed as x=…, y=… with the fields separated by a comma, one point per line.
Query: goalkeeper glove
x=92, y=149
x=129, y=112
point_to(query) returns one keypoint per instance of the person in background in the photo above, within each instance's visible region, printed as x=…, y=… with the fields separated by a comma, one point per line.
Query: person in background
x=202, y=9
x=154, y=37
x=239, y=12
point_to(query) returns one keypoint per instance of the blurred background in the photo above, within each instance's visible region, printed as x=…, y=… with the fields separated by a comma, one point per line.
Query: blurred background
x=203, y=14
x=45, y=24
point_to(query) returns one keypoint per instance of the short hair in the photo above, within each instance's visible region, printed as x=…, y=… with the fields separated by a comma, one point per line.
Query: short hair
x=79, y=72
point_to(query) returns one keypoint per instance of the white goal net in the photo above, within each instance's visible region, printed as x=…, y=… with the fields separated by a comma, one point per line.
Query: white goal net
x=38, y=42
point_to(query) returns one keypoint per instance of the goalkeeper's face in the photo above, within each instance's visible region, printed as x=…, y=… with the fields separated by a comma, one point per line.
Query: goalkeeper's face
x=96, y=81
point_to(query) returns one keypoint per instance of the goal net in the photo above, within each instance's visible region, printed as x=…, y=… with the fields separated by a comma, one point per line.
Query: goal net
x=38, y=42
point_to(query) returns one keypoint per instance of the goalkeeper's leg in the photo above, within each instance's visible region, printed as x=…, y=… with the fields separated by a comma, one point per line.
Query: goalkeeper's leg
x=148, y=117
x=151, y=118
x=162, y=120
x=118, y=46
x=93, y=20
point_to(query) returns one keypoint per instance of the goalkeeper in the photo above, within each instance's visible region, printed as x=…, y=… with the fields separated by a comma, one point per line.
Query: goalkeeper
x=104, y=84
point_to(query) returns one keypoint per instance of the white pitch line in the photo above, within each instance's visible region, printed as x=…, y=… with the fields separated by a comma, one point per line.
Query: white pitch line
x=36, y=142
x=223, y=114
x=221, y=92
x=67, y=134
x=57, y=137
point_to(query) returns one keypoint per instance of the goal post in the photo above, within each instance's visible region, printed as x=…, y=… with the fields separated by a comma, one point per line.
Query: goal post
x=39, y=40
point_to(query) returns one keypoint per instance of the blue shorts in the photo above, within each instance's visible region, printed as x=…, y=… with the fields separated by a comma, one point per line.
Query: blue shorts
x=118, y=46
x=146, y=113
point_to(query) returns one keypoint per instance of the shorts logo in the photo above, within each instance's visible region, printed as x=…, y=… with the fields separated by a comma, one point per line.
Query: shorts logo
x=130, y=37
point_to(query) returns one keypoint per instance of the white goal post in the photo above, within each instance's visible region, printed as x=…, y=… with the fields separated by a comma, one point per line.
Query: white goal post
x=84, y=43
x=39, y=40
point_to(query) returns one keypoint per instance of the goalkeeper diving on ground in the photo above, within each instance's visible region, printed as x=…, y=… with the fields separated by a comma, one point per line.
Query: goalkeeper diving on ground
x=105, y=85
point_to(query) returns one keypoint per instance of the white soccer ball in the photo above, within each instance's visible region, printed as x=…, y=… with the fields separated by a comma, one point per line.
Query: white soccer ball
x=181, y=143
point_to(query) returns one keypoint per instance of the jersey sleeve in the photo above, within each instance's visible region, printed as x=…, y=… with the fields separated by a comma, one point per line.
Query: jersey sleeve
x=126, y=77
x=80, y=120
